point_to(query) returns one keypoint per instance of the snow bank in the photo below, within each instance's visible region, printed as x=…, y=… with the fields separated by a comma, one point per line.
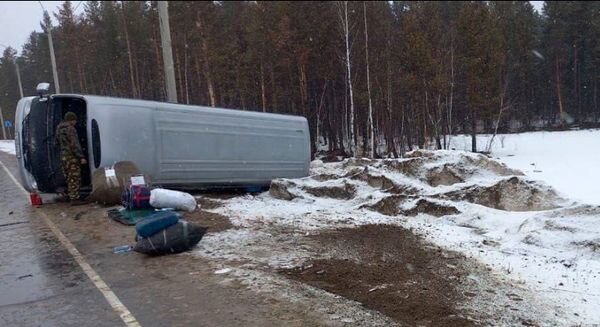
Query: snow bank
x=569, y=161
x=8, y=146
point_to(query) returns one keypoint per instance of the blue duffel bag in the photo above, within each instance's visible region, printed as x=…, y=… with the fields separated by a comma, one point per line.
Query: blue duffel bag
x=156, y=223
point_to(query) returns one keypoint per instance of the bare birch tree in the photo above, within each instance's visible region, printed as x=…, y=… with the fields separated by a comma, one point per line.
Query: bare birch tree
x=343, y=13
x=370, y=122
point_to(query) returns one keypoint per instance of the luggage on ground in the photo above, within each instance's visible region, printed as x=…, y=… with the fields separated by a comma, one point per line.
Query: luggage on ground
x=156, y=223
x=136, y=197
x=162, y=198
x=129, y=217
x=176, y=238
x=109, y=183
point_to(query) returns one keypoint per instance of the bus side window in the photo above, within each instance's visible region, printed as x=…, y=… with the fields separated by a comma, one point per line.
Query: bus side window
x=96, y=147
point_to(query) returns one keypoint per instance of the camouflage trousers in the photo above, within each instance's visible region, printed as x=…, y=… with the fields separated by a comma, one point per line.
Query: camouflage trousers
x=72, y=171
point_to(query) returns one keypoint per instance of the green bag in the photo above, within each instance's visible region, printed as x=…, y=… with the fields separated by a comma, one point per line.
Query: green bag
x=130, y=217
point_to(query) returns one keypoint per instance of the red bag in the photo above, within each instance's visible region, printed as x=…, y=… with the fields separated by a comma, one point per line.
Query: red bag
x=136, y=197
x=36, y=199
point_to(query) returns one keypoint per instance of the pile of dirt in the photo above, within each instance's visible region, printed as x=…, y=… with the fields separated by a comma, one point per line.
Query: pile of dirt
x=389, y=206
x=411, y=167
x=445, y=175
x=434, y=169
x=592, y=245
x=428, y=207
x=393, y=271
x=482, y=162
x=214, y=221
x=376, y=181
x=419, y=154
x=280, y=189
x=208, y=203
x=513, y=194
x=325, y=177
x=357, y=162
x=346, y=191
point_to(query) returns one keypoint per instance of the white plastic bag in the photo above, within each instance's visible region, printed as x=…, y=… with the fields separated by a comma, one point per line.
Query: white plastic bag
x=162, y=198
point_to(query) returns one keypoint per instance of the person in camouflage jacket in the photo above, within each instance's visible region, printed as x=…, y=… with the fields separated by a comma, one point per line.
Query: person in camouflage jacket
x=71, y=154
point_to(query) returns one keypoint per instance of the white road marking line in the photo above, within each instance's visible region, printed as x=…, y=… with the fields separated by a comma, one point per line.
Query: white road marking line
x=109, y=295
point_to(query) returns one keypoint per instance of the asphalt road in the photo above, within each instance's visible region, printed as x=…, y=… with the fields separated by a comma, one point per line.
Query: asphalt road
x=42, y=282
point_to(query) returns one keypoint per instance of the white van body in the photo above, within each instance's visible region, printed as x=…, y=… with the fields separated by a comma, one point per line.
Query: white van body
x=174, y=145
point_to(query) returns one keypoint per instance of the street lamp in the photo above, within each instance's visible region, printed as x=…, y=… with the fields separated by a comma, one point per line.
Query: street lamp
x=52, y=58
x=18, y=73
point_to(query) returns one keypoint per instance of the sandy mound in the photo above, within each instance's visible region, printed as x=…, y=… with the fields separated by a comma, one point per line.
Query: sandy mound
x=325, y=177
x=376, y=181
x=357, y=162
x=389, y=206
x=280, y=189
x=446, y=175
x=346, y=191
x=428, y=207
x=482, y=162
x=513, y=194
x=433, y=168
x=412, y=167
x=447, y=168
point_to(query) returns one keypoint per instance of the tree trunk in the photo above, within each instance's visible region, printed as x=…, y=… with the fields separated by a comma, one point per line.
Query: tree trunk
x=370, y=122
x=596, y=101
x=390, y=124
x=560, y=105
x=352, y=140
x=473, y=129
x=206, y=64
x=129, y=56
x=576, y=81
x=450, y=105
x=179, y=78
x=185, y=70
x=262, y=87
x=273, y=89
x=158, y=64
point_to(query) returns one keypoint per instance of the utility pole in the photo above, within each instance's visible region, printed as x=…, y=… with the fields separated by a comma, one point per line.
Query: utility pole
x=54, y=72
x=19, y=78
x=165, y=38
x=52, y=57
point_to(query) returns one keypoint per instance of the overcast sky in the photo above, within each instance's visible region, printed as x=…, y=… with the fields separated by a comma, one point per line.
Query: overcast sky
x=19, y=18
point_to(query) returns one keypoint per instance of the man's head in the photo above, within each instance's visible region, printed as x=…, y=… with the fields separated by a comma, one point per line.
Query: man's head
x=71, y=117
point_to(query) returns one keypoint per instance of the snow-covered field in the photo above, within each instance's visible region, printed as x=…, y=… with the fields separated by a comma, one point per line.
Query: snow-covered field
x=8, y=146
x=518, y=225
x=568, y=161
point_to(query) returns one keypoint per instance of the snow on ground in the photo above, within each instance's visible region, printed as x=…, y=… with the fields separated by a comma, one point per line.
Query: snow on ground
x=568, y=161
x=515, y=224
x=8, y=146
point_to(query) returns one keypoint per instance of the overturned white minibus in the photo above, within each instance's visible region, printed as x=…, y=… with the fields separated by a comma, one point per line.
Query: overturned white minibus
x=177, y=146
